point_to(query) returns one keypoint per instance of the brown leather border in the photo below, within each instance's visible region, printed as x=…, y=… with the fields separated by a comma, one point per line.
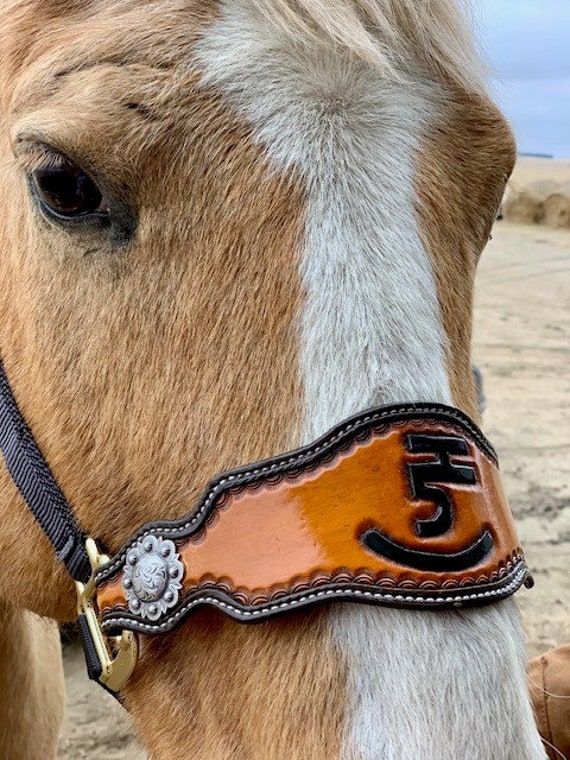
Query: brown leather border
x=328, y=591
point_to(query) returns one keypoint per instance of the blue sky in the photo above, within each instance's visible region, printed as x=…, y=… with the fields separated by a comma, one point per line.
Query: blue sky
x=528, y=45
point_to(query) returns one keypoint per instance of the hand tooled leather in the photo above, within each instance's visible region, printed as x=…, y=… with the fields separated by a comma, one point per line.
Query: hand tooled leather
x=401, y=506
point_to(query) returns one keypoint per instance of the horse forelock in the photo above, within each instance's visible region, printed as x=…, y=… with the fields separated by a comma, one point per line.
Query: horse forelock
x=388, y=34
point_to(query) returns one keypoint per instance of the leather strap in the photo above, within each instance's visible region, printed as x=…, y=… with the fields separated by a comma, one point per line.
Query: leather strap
x=399, y=506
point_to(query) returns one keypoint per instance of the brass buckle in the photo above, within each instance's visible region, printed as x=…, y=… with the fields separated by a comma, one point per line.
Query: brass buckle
x=117, y=655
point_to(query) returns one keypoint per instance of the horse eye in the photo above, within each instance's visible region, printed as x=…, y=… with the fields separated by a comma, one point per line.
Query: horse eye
x=65, y=190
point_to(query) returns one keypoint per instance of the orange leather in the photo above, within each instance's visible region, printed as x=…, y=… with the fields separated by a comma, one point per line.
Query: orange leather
x=292, y=535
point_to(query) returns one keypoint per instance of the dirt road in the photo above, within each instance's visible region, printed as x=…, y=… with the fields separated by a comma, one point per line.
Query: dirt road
x=522, y=345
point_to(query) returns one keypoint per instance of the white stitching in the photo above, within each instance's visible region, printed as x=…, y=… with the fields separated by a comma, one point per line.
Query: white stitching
x=517, y=580
x=107, y=571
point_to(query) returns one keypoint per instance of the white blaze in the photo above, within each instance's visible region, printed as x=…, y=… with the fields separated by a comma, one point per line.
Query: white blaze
x=371, y=328
x=371, y=333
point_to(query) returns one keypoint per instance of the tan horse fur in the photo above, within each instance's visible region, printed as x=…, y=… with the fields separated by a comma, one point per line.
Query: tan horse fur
x=145, y=369
x=31, y=685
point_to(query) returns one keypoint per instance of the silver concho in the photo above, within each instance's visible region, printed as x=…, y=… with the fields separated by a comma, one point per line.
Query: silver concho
x=152, y=578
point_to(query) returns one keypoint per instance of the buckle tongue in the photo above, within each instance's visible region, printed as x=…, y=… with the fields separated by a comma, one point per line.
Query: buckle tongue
x=110, y=660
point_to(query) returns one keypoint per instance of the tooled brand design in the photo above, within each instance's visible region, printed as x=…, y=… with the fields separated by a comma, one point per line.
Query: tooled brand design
x=426, y=484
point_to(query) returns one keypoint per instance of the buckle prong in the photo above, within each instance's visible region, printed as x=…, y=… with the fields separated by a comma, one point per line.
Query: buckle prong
x=117, y=655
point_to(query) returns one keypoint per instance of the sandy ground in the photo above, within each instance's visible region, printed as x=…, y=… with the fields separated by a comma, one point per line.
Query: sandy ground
x=522, y=330
x=522, y=345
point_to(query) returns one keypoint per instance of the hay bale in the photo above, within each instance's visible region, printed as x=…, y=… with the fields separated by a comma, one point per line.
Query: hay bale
x=557, y=211
x=523, y=207
x=542, y=188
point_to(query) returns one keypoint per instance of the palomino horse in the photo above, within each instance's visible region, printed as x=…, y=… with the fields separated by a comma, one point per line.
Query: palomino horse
x=225, y=227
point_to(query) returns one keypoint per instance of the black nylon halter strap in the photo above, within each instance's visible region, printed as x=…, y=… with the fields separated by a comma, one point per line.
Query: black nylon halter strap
x=38, y=487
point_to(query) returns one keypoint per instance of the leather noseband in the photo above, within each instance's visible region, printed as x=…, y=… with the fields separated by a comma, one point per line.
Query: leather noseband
x=398, y=506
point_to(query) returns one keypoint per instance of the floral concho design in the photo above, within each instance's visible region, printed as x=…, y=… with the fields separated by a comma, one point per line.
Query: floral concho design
x=152, y=578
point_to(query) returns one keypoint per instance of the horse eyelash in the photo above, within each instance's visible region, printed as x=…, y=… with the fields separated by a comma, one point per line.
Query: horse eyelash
x=30, y=156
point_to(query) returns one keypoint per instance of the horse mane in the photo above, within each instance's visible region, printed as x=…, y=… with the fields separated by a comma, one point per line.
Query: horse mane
x=387, y=33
